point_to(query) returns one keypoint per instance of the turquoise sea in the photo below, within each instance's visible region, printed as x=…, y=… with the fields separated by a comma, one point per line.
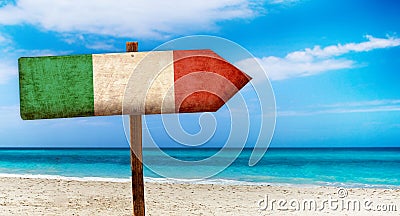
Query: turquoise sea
x=353, y=167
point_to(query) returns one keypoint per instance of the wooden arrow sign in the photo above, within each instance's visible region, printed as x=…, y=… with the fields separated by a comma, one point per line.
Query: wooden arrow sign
x=140, y=83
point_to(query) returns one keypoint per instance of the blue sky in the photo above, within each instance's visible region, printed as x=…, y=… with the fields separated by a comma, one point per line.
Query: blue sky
x=333, y=65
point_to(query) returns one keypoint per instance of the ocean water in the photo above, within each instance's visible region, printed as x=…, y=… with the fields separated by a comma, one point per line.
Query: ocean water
x=356, y=167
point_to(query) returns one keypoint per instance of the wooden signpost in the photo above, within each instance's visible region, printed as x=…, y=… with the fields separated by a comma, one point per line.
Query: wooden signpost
x=134, y=83
x=135, y=128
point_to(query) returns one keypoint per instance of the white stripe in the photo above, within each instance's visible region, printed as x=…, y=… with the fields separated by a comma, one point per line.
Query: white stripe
x=147, y=77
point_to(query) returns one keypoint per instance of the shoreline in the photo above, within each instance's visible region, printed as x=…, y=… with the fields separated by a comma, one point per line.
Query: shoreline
x=199, y=181
x=33, y=196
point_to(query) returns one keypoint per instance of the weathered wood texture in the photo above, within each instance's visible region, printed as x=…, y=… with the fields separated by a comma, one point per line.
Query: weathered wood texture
x=213, y=81
x=127, y=83
x=56, y=87
x=151, y=87
x=135, y=122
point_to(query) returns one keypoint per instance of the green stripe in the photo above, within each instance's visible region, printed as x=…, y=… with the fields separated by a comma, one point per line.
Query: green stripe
x=56, y=87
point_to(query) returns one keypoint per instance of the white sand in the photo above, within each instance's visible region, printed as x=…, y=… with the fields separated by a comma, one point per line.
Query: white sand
x=24, y=196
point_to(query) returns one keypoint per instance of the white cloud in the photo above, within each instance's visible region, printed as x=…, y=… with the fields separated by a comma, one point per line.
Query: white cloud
x=9, y=57
x=7, y=68
x=7, y=71
x=9, y=61
x=284, y=68
x=336, y=50
x=44, y=52
x=350, y=107
x=312, y=61
x=3, y=39
x=138, y=19
x=101, y=46
x=282, y=1
x=362, y=103
x=124, y=18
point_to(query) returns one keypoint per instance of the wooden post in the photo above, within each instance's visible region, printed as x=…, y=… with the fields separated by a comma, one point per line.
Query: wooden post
x=136, y=154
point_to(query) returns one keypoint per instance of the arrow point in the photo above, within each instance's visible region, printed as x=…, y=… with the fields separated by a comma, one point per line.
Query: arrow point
x=204, y=81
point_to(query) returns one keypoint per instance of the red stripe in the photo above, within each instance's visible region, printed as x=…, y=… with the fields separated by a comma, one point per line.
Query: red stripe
x=204, y=81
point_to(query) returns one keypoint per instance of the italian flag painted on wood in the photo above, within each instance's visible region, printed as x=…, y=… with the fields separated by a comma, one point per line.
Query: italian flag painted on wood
x=130, y=83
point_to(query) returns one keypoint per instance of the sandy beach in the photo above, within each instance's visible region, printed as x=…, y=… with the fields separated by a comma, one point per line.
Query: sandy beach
x=35, y=196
